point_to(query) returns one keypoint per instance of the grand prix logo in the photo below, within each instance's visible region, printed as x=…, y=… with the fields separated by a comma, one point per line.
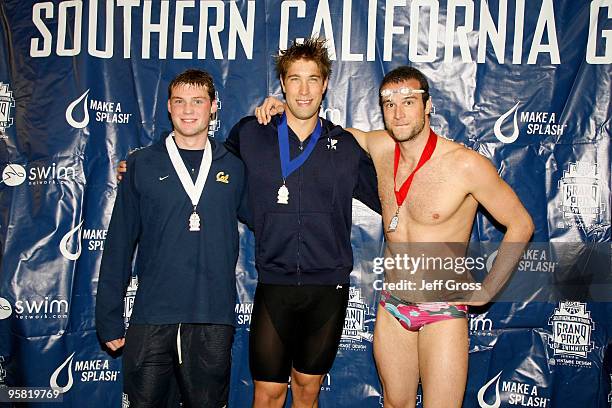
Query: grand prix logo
x=499, y=123
x=484, y=389
x=581, y=195
x=63, y=246
x=6, y=103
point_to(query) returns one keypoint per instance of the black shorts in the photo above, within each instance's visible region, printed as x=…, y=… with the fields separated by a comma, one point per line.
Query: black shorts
x=151, y=364
x=295, y=326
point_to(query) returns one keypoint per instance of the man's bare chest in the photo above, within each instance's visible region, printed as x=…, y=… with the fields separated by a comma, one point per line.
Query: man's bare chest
x=434, y=195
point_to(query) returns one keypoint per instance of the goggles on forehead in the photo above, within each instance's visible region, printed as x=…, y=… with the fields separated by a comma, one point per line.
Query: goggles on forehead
x=402, y=91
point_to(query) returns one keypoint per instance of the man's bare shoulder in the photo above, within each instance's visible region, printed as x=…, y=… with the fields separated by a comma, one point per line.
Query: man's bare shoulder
x=470, y=165
x=379, y=141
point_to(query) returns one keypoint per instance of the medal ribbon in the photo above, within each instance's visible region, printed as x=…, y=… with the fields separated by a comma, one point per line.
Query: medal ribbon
x=400, y=195
x=193, y=191
x=288, y=166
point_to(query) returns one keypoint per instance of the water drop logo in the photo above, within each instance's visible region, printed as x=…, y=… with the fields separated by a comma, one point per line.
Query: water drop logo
x=70, y=110
x=490, y=260
x=53, y=381
x=13, y=175
x=499, y=122
x=484, y=389
x=63, y=246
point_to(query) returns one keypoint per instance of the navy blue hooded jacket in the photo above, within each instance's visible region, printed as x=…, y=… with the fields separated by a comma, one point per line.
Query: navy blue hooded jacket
x=308, y=240
x=183, y=276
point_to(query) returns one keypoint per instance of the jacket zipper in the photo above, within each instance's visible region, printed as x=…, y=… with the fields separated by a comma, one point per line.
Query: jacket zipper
x=299, y=274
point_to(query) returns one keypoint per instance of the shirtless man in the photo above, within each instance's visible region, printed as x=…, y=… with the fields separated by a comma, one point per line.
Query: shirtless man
x=440, y=206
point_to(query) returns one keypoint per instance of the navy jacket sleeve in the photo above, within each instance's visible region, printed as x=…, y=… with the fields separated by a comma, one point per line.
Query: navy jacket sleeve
x=366, y=189
x=232, y=143
x=116, y=266
x=244, y=211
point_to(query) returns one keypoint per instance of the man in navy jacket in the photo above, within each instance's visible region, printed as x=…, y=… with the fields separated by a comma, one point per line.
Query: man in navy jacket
x=179, y=203
x=303, y=172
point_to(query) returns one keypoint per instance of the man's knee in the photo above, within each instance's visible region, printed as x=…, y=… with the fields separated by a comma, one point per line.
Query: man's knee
x=268, y=394
x=399, y=399
x=304, y=387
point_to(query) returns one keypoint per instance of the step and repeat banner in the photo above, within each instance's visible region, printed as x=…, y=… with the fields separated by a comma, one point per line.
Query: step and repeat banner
x=527, y=83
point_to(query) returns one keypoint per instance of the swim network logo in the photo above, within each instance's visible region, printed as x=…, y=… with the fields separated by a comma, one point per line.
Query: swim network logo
x=13, y=175
x=105, y=111
x=484, y=389
x=5, y=308
x=64, y=244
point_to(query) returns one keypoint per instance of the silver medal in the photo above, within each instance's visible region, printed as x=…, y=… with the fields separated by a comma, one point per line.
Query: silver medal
x=393, y=223
x=283, y=195
x=194, y=222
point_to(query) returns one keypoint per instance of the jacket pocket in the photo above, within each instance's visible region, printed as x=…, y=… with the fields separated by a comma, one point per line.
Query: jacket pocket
x=319, y=242
x=277, y=246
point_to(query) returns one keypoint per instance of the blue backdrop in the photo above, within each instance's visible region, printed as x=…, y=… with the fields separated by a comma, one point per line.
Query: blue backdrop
x=525, y=83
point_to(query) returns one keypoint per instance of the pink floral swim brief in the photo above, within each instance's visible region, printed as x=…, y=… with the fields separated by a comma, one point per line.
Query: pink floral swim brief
x=413, y=316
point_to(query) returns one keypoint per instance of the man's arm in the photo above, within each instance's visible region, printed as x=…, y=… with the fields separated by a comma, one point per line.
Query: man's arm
x=232, y=142
x=272, y=106
x=244, y=211
x=116, y=265
x=366, y=189
x=498, y=198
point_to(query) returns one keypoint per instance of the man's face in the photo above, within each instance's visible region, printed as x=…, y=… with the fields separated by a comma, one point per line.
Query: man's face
x=304, y=87
x=405, y=114
x=190, y=108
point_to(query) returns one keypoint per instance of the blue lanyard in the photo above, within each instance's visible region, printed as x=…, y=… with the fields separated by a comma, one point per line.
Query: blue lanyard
x=288, y=166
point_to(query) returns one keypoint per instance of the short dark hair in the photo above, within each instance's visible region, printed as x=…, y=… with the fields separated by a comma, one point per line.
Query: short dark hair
x=312, y=49
x=405, y=73
x=194, y=77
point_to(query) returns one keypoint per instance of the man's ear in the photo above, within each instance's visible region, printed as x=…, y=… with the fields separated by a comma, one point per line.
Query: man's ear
x=428, y=106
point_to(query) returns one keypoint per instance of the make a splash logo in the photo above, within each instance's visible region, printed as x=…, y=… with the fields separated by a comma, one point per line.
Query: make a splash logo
x=507, y=127
x=79, y=111
x=84, y=371
x=494, y=402
x=513, y=393
x=77, y=238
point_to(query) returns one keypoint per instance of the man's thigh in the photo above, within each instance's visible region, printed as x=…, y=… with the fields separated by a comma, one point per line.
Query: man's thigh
x=204, y=369
x=148, y=364
x=396, y=355
x=443, y=362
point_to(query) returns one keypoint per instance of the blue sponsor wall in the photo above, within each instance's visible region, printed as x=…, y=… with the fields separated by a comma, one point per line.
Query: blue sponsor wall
x=525, y=83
